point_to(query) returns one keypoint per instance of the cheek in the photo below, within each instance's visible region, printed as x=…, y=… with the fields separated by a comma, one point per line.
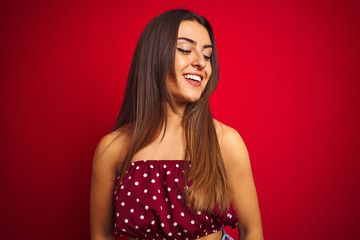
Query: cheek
x=209, y=70
x=180, y=64
x=171, y=83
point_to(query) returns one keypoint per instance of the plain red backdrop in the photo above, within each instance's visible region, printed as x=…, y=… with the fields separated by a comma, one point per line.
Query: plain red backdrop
x=289, y=83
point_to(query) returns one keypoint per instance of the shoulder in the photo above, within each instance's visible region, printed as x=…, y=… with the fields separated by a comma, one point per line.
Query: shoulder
x=227, y=136
x=112, y=148
x=232, y=145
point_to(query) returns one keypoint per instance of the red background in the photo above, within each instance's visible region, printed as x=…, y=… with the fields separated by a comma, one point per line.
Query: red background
x=289, y=83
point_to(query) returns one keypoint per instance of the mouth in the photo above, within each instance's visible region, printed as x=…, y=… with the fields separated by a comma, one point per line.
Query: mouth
x=194, y=79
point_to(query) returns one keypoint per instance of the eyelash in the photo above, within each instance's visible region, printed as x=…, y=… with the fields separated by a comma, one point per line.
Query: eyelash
x=187, y=52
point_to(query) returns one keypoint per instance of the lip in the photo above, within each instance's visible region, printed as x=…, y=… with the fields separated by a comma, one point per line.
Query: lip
x=192, y=82
x=196, y=74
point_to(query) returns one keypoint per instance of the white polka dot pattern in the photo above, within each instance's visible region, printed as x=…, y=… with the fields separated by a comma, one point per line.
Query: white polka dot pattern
x=149, y=204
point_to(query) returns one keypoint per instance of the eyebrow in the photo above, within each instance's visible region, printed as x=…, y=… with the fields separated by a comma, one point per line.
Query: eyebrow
x=193, y=42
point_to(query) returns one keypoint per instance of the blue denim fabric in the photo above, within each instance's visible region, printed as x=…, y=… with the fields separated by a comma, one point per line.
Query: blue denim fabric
x=226, y=236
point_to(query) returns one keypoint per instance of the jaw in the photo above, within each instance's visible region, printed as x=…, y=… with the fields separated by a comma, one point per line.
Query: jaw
x=184, y=91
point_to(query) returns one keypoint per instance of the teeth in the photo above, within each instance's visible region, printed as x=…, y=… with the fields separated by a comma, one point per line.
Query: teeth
x=193, y=77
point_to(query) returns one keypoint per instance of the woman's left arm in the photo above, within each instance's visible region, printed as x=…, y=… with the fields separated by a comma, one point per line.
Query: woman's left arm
x=243, y=191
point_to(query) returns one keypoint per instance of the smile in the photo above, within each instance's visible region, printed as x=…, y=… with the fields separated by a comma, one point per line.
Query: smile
x=197, y=78
x=193, y=79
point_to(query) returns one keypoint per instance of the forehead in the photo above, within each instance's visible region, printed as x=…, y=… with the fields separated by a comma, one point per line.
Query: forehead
x=194, y=31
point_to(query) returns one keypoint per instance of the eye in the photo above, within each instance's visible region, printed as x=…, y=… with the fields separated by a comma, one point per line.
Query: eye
x=184, y=51
x=207, y=58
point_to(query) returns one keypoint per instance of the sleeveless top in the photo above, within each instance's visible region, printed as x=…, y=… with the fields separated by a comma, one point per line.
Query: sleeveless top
x=149, y=204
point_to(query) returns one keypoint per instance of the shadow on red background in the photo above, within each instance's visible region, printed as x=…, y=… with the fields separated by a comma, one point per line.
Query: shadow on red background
x=289, y=83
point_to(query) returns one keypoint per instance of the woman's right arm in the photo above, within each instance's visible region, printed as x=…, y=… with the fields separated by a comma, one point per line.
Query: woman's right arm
x=107, y=156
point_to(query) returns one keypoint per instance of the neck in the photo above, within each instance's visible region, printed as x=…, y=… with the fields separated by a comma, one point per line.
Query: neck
x=174, y=120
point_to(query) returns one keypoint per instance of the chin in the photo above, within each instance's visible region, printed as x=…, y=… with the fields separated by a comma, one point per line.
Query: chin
x=192, y=98
x=187, y=97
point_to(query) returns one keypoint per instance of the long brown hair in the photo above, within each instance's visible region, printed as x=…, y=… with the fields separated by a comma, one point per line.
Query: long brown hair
x=144, y=110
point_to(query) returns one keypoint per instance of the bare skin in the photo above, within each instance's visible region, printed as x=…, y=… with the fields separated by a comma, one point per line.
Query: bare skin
x=234, y=153
x=112, y=148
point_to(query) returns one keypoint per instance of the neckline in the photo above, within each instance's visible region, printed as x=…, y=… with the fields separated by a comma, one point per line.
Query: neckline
x=167, y=161
x=158, y=161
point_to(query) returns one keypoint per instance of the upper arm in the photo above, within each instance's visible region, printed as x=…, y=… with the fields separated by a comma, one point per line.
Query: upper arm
x=108, y=154
x=243, y=191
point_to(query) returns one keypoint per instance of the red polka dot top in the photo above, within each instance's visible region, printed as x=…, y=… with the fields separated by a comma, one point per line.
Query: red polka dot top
x=149, y=204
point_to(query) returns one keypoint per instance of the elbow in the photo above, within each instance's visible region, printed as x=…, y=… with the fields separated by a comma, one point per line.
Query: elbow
x=102, y=238
x=250, y=234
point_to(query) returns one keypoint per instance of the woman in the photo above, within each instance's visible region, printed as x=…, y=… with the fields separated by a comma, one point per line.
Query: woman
x=168, y=170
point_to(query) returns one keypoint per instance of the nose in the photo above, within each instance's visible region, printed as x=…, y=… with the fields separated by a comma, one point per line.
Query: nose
x=198, y=61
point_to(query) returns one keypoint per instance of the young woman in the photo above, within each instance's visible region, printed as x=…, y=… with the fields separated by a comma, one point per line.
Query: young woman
x=168, y=170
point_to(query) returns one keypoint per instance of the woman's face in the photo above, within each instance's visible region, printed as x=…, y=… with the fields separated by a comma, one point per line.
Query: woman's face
x=192, y=63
